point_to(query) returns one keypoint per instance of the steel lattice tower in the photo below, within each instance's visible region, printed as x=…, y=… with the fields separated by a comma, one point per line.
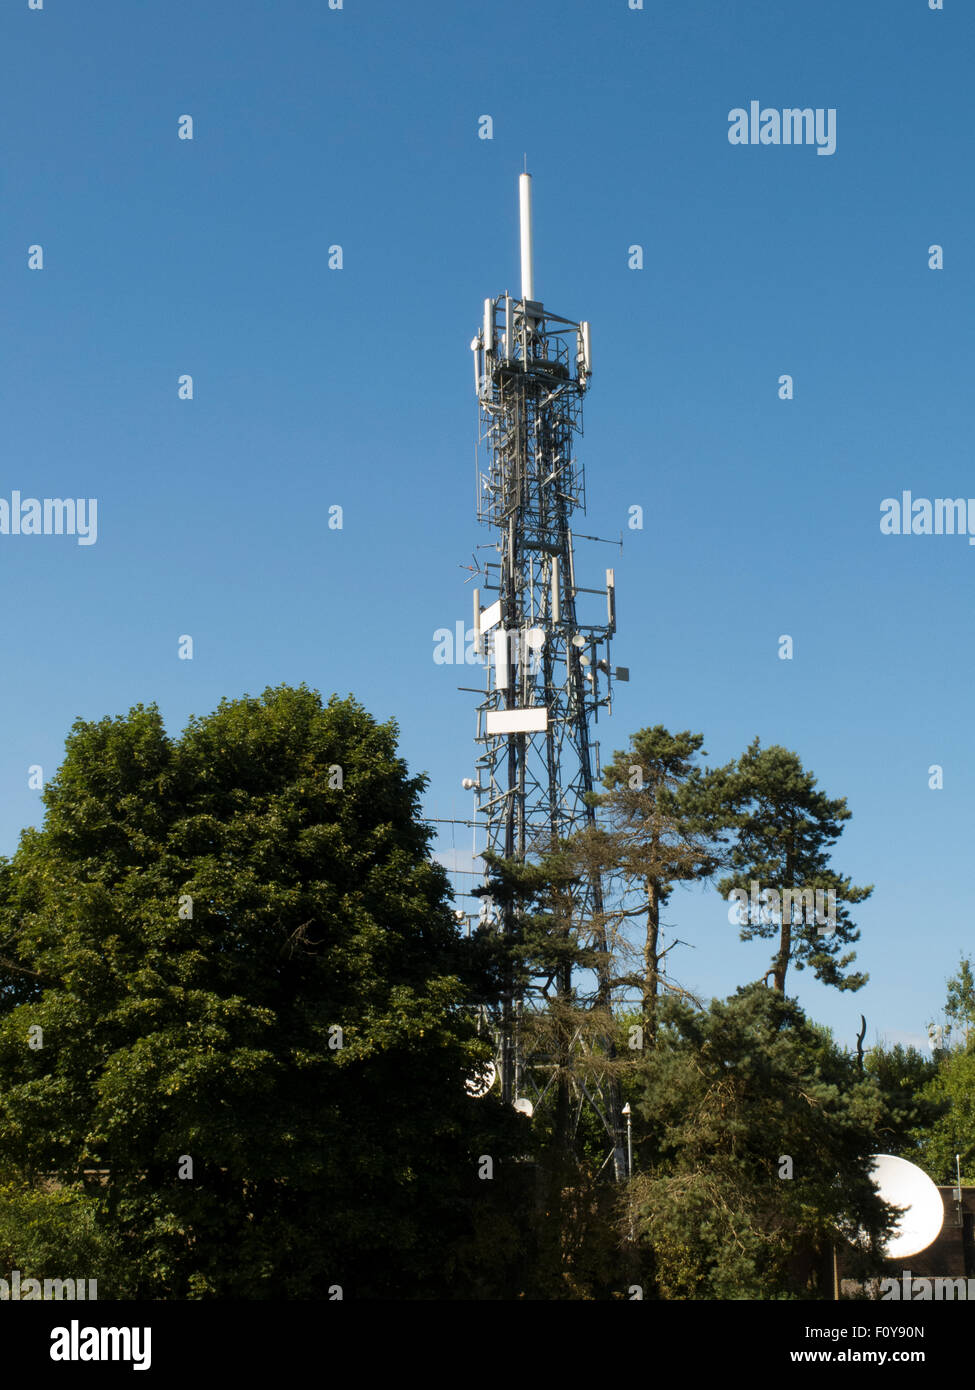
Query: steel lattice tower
x=547, y=671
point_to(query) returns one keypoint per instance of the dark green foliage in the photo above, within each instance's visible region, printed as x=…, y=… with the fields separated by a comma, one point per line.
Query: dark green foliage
x=55, y=1232
x=198, y=916
x=903, y=1074
x=728, y=1095
x=655, y=831
x=784, y=831
x=536, y=907
x=207, y=1031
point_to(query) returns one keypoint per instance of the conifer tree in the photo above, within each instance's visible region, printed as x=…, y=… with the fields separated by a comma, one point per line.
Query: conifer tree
x=653, y=834
x=784, y=830
x=757, y=1138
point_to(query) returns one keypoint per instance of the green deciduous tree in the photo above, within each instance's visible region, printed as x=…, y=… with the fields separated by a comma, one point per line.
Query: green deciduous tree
x=234, y=1012
x=960, y=1003
x=953, y=1133
x=952, y=1087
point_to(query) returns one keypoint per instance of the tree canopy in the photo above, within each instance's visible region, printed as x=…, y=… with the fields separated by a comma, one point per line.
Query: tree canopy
x=950, y=1091
x=759, y=1138
x=234, y=1009
x=784, y=831
x=237, y=1016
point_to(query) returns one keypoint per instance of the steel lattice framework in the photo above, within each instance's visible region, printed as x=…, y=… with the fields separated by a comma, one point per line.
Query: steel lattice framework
x=547, y=670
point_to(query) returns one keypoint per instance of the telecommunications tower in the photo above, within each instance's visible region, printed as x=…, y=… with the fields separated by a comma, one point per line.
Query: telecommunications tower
x=544, y=638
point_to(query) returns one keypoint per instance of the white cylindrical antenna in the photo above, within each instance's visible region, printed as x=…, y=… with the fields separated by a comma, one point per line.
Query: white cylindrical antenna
x=489, y=325
x=555, y=589
x=525, y=206
x=586, y=348
x=611, y=599
x=509, y=336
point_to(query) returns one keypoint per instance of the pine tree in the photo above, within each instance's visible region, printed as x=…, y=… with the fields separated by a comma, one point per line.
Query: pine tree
x=758, y=1136
x=651, y=836
x=903, y=1074
x=555, y=991
x=784, y=831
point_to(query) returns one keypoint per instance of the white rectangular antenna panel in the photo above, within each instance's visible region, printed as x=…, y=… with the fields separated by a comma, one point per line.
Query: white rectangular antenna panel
x=517, y=721
x=501, y=671
x=491, y=616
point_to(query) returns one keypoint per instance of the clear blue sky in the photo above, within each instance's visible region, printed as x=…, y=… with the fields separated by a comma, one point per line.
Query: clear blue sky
x=316, y=387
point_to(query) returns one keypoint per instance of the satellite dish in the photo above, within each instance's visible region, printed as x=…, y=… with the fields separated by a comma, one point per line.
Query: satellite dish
x=480, y=1081
x=903, y=1184
x=524, y=1107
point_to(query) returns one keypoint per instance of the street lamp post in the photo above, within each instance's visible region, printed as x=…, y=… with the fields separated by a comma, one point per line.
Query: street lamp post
x=629, y=1160
x=629, y=1139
